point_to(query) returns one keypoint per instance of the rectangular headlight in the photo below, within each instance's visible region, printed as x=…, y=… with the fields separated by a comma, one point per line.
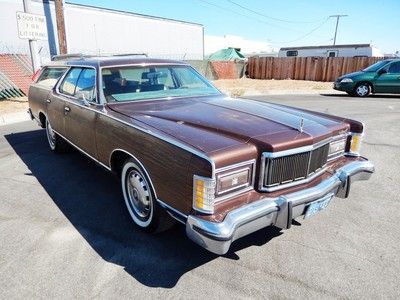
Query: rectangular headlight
x=230, y=181
x=203, y=194
x=234, y=178
x=337, y=148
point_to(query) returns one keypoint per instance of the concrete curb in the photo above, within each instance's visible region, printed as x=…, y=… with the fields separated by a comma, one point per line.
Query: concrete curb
x=16, y=117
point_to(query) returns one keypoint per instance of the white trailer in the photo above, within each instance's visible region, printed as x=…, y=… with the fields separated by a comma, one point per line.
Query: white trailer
x=353, y=50
x=94, y=30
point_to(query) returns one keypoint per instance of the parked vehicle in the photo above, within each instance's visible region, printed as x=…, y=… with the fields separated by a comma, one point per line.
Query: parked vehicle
x=350, y=50
x=223, y=167
x=381, y=77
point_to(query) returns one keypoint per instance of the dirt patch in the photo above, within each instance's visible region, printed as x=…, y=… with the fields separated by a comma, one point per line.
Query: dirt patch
x=13, y=105
x=246, y=86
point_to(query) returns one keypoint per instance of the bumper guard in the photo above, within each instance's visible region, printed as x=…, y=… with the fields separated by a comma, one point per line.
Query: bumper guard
x=280, y=211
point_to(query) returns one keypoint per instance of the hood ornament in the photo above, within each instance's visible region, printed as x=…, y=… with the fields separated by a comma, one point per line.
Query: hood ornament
x=300, y=129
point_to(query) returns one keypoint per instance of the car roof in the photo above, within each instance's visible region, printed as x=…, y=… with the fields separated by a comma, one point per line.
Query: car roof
x=109, y=61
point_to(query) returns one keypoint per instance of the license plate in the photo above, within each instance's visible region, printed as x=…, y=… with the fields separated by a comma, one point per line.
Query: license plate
x=318, y=205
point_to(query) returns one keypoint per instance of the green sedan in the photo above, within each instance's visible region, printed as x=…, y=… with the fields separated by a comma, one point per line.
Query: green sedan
x=381, y=77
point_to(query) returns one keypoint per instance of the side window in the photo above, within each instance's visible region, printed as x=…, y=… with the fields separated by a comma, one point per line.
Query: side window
x=186, y=79
x=394, y=68
x=68, y=85
x=85, y=85
x=292, y=53
x=50, y=75
x=332, y=54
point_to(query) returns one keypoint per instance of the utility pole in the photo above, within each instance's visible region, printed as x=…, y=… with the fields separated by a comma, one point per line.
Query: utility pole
x=32, y=43
x=62, y=39
x=337, y=24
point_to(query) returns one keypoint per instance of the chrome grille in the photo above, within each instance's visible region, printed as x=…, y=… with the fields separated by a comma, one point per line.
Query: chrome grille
x=295, y=167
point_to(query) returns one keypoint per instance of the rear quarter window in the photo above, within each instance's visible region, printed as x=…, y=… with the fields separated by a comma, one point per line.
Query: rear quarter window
x=50, y=76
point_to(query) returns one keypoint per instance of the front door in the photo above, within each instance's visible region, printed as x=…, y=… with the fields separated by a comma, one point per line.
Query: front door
x=80, y=114
x=389, y=82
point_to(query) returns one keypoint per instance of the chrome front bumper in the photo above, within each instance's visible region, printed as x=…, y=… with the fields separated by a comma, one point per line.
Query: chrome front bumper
x=280, y=211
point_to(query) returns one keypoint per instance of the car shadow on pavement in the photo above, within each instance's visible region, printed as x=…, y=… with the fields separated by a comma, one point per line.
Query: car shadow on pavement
x=90, y=198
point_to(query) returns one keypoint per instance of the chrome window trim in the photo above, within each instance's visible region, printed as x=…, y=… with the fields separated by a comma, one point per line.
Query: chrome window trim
x=61, y=80
x=104, y=112
x=298, y=150
x=250, y=187
x=147, y=65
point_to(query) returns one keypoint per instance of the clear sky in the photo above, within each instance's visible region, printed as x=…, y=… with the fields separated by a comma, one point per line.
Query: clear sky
x=280, y=22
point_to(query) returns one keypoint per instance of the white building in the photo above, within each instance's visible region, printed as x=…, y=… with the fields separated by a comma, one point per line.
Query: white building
x=94, y=30
x=352, y=50
x=247, y=47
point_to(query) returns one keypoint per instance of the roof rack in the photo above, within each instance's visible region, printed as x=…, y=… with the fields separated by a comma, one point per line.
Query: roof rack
x=131, y=54
x=67, y=56
x=82, y=56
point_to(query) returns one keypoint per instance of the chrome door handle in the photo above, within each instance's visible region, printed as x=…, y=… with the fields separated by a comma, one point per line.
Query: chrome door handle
x=48, y=100
x=67, y=109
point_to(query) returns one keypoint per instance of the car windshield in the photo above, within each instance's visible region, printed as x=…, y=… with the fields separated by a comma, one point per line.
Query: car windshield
x=376, y=66
x=133, y=83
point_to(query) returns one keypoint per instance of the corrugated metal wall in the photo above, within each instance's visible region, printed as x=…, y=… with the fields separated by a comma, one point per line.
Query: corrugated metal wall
x=98, y=31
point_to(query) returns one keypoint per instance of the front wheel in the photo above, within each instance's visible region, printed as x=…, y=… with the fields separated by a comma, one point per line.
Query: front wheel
x=140, y=199
x=362, y=90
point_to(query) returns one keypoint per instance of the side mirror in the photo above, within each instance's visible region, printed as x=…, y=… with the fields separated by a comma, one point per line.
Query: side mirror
x=382, y=71
x=83, y=96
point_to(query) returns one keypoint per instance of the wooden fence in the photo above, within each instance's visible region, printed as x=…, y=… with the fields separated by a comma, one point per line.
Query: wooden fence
x=306, y=68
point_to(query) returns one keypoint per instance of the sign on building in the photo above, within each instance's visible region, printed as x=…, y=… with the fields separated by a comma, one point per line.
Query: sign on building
x=31, y=26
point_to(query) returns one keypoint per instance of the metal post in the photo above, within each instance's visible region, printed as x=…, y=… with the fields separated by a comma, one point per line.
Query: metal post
x=337, y=24
x=33, y=49
x=62, y=39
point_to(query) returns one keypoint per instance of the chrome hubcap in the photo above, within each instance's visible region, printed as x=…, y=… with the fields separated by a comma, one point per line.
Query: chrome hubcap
x=362, y=90
x=51, y=136
x=138, y=194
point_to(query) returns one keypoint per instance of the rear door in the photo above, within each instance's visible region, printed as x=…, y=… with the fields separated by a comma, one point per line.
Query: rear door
x=389, y=82
x=39, y=92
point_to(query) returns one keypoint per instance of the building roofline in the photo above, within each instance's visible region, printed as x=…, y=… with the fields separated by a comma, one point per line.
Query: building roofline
x=131, y=13
x=327, y=46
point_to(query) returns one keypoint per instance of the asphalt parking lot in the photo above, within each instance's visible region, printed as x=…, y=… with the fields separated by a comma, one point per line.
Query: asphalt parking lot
x=65, y=233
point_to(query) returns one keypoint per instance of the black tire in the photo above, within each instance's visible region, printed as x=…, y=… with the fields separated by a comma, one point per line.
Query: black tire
x=140, y=199
x=362, y=90
x=56, y=143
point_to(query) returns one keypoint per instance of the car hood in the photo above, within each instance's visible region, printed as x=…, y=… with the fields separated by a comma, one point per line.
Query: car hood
x=214, y=123
x=357, y=74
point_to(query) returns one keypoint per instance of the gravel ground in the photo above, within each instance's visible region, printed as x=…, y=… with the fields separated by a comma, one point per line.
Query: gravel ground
x=13, y=105
x=64, y=231
x=246, y=87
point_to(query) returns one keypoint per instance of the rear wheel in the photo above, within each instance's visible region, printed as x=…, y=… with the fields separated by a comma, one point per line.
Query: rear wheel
x=56, y=143
x=140, y=199
x=362, y=90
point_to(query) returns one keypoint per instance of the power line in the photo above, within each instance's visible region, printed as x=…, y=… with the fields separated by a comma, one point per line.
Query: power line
x=307, y=34
x=246, y=16
x=269, y=17
x=254, y=19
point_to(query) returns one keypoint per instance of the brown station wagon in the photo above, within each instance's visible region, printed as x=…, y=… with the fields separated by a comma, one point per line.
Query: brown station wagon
x=223, y=167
